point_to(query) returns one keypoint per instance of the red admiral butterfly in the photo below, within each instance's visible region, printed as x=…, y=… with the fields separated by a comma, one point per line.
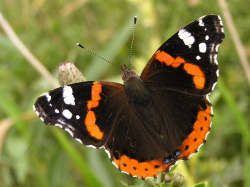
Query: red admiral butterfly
x=151, y=121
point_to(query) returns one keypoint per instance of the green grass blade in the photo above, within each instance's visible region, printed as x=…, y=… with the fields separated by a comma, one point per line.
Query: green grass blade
x=87, y=176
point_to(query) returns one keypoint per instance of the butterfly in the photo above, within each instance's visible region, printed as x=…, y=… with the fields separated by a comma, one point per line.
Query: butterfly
x=153, y=120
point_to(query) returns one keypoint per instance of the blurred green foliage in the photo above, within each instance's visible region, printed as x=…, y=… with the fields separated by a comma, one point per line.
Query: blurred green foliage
x=37, y=155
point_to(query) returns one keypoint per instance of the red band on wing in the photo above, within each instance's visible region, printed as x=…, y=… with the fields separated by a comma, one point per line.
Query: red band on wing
x=92, y=128
x=198, y=75
x=96, y=91
x=198, y=136
x=141, y=169
x=192, y=69
x=90, y=120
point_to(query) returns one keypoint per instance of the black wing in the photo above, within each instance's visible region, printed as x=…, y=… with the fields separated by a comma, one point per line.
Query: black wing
x=187, y=62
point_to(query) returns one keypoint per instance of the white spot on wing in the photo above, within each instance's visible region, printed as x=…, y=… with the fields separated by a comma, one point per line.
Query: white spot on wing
x=212, y=111
x=215, y=59
x=201, y=23
x=207, y=37
x=69, y=131
x=220, y=20
x=216, y=48
x=80, y=141
x=152, y=177
x=91, y=146
x=202, y=47
x=68, y=95
x=67, y=114
x=34, y=108
x=187, y=38
x=214, y=86
x=48, y=97
x=217, y=72
x=115, y=165
x=207, y=97
x=56, y=111
x=77, y=117
x=108, y=153
x=58, y=125
x=181, y=32
x=198, y=57
x=210, y=125
x=128, y=173
x=41, y=119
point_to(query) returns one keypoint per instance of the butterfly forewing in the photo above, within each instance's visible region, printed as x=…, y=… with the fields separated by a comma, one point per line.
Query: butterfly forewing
x=83, y=109
x=187, y=62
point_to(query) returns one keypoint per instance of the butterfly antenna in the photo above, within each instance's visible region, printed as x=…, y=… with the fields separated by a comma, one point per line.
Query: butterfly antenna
x=131, y=48
x=80, y=45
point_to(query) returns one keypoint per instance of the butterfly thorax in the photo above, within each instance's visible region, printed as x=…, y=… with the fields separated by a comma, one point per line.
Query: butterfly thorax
x=135, y=88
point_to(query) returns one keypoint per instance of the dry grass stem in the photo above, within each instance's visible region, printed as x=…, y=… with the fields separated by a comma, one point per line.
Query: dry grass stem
x=26, y=53
x=236, y=39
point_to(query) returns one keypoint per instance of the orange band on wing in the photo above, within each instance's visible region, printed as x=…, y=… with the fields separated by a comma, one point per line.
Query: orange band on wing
x=96, y=91
x=191, y=69
x=90, y=120
x=141, y=169
x=163, y=57
x=198, y=75
x=198, y=136
x=92, y=104
x=92, y=128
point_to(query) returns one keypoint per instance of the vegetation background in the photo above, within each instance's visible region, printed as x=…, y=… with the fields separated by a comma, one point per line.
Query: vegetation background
x=32, y=154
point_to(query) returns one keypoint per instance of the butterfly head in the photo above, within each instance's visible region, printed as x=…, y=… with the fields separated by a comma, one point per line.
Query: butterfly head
x=135, y=87
x=127, y=73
